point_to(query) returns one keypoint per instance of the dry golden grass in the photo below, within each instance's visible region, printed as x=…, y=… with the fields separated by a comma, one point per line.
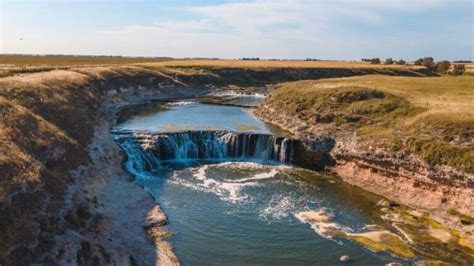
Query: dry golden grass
x=11, y=65
x=445, y=94
x=470, y=69
x=47, y=118
x=270, y=64
x=432, y=116
x=67, y=60
x=47, y=121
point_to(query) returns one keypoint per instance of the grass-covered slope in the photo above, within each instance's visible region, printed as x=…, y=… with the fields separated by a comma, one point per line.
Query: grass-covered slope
x=45, y=127
x=47, y=122
x=295, y=64
x=48, y=117
x=431, y=117
x=236, y=73
x=68, y=60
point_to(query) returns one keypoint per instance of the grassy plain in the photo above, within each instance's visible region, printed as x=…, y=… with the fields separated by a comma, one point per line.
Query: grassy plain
x=270, y=64
x=430, y=116
x=47, y=118
x=20, y=64
x=470, y=69
x=68, y=60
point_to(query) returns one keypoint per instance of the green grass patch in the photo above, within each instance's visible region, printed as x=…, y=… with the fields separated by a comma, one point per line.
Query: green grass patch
x=439, y=152
x=431, y=117
x=446, y=126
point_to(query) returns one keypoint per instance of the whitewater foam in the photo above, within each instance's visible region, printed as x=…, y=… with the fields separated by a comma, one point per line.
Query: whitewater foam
x=200, y=174
x=230, y=190
x=260, y=176
x=254, y=165
x=181, y=103
x=239, y=94
x=279, y=207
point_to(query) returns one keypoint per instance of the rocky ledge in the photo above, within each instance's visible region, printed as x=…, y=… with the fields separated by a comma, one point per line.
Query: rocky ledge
x=399, y=176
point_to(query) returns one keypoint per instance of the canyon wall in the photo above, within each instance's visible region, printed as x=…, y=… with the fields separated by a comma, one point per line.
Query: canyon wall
x=400, y=176
x=49, y=121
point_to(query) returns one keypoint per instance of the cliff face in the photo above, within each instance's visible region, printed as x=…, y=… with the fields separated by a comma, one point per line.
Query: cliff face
x=407, y=179
x=251, y=77
x=371, y=151
x=48, y=121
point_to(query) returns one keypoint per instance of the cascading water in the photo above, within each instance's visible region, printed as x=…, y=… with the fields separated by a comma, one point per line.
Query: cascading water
x=152, y=151
x=231, y=191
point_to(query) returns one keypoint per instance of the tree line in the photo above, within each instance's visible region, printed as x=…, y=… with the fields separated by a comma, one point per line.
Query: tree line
x=388, y=61
x=441, y=67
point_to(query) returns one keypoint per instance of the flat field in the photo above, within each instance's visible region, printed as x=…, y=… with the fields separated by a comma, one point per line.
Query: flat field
x=270, y=64
x=67, y=60
x=430, y=116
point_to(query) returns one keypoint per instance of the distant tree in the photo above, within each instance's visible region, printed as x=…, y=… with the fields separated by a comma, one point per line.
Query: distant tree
x=428, y=62
x=375, y=61
x=388, y=61
x=458, y=69
x=401, y=62
x=442, y=67
x=418, y=62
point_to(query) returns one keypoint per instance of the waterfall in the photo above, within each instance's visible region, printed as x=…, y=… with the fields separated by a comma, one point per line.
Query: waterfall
x=152, y=151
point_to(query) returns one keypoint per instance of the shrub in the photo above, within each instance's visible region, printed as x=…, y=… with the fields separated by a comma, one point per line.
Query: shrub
x=375, y=61
x=458, y=70
x=401, y=62
x=388, y=61
x=427, y=62
x=442, y=67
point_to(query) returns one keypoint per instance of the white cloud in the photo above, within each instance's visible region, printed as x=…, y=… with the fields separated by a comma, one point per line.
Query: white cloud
x=273, y=29
x=258, y=19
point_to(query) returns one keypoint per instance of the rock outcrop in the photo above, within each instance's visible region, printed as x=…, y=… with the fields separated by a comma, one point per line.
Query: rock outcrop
x=54, y=143
x=49, y=121
x=400, y=176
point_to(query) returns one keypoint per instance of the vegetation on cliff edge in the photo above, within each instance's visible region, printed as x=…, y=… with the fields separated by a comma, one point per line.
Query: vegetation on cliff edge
x=431, y=117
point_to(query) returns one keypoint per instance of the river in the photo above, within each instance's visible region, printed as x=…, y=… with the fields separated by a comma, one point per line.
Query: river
x=232, y=195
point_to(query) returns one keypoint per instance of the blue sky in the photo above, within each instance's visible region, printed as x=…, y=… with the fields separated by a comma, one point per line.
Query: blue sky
x=325, y=29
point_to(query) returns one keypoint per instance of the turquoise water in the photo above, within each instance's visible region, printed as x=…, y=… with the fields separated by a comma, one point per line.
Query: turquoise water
x=245, y=212
x=195, y=116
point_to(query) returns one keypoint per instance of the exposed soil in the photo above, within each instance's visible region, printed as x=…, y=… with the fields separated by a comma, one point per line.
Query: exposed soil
x=399, y=175
x=64, y=197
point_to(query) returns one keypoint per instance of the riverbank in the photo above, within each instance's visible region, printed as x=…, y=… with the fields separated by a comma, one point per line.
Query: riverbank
x=62, y=190
x=78, y=205
x=132, y=225
x=407, y=139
